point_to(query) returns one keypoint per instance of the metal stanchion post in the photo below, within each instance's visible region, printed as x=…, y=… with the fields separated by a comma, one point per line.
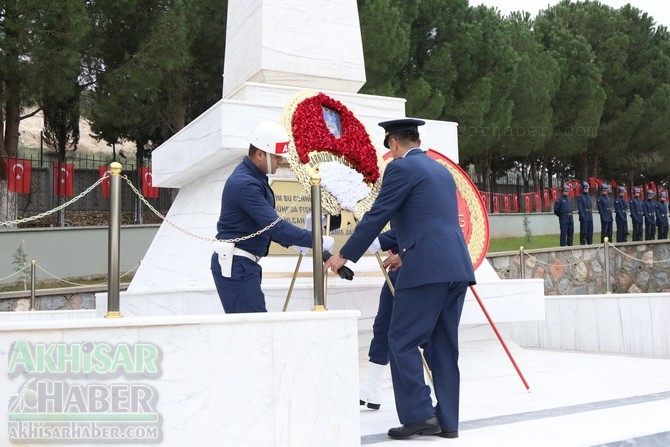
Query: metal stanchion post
x=607, y=266
x=317, y=242
x=522, y=264
x=33, y=285
x=114, y=237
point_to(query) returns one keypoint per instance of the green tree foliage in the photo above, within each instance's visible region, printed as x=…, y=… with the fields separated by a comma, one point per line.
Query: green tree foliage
x=578, y=102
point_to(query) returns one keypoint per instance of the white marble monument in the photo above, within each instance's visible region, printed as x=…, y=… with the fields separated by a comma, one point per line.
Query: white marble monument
x=275, y=49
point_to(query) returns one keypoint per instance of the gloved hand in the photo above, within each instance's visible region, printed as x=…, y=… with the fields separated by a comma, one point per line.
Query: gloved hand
x=308, y=221
x=375, y=246
x=302, y=250
x=344, y=271
x=328, y=243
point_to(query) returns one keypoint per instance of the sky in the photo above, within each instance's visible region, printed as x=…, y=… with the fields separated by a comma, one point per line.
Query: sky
x=658, y=9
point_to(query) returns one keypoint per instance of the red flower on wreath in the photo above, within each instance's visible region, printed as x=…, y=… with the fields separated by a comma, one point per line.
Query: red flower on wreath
x=311, y=133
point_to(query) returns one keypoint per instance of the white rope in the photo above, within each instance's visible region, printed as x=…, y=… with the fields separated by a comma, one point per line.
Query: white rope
x=568, y=264
x=638, y=259
x=15, y=273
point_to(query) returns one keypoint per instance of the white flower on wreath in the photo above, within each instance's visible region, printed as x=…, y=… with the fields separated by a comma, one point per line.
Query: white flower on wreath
x=345, y=184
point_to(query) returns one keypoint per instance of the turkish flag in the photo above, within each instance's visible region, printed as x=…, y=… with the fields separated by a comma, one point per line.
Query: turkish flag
x=104, y=169
x=63, y=179
x=526, y=202
x=554, y=194
x=485, y=199
x=496, y=205
x=149, y=191
x=506, y=202
x=19, y=174
x=538, y=201
x=516, y=203
x=545, y=196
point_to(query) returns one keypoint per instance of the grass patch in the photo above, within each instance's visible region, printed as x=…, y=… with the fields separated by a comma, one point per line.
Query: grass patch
x=514, y=243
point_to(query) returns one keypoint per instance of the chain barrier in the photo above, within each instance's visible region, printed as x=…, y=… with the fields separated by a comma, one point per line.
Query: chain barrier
x=583, y=259
x=638, y=259
x=58, y=208
x=511, y=262
x=203, y=238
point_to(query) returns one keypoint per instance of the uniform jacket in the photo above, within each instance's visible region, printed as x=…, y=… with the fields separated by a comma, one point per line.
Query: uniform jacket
x=418, y=196
x=661, y=209
x=585, y=207
x=563, y=209
x=247, y=206
x=605, y=208
x=649, y=212
x=620, y=208
x=636, y=214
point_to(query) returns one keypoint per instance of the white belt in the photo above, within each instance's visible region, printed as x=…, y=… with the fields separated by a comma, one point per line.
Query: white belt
x=246, y=254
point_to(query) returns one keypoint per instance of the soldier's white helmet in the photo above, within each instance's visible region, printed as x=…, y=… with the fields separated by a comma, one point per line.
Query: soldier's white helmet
x=270, y=137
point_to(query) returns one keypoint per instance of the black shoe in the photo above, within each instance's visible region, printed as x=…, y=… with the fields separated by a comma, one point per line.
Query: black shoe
x=447, y=434
x=370, y=405
x=430, y=426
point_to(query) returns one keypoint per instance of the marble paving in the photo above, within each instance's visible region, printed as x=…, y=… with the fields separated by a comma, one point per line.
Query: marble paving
x=575, y=400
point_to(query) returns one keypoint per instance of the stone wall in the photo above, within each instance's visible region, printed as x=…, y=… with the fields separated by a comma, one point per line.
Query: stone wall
x=634, y=267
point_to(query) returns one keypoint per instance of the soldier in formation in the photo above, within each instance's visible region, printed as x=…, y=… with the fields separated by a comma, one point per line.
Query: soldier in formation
x=605, y=211
x=662, y=215
x=563, y=209
x=621, y=213
x=585, y=210
x=649, y=211
x=636, y=215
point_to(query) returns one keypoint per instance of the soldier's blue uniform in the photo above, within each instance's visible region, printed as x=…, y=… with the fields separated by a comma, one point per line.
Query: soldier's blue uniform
x=247, y=206
x=636, y=215
x=431, y=285
x=585, y=210
x=662, y=216
x=621, y=213
x=563, y=209
x=649, y=211
x=605, y=211
x=379, y=346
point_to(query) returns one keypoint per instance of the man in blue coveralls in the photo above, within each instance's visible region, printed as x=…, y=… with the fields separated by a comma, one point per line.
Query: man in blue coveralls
x=419, y=197
x=662, y=216
x=248, y=223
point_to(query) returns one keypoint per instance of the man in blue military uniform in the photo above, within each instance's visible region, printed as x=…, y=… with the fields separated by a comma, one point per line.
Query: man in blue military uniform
x=605, y=211
x=418, y=196
x=636, y=215
x=249, y=219
x=662, y=216
x=563, y=209
x=621, y=213
x=649, y=211
x=585, y=211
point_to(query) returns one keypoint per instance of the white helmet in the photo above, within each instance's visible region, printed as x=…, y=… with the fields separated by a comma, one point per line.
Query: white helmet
x=270, y=137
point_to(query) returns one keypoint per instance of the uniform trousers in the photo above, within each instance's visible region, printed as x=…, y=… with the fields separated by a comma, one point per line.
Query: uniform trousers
x=426, y=315
x=242, y=291
x=379, y=345
x=649, y=231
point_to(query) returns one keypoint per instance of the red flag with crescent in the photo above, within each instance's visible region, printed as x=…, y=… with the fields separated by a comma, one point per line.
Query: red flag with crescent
x=538, y=201
x=506, y=203
x=554, y=194
x=63, y=179
x=516, y=203
x=526, y=202
x=149, y=191
x=19, y=175
x=545, y=196
x=496, y=203
x=485, y=199
x=104, y=169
